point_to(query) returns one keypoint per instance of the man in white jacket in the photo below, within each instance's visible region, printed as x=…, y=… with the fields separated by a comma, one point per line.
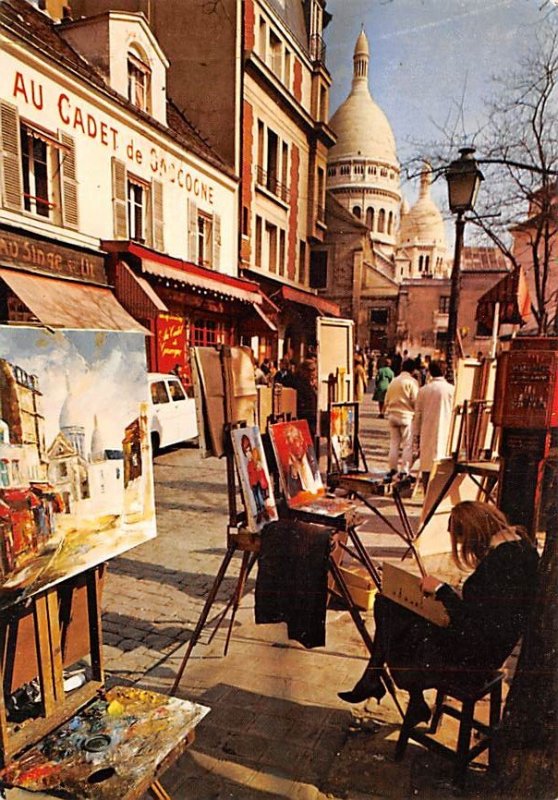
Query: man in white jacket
x=432, y=420
x=400, y=409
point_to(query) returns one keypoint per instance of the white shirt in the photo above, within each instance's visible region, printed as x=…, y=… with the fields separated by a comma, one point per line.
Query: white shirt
x=432, y=421
x=400, y=397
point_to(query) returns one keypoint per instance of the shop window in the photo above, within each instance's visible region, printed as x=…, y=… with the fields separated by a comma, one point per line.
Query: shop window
x=444, y=304
x=138, y=208
x=206, y=332
x=139, y=81
x=318, y=269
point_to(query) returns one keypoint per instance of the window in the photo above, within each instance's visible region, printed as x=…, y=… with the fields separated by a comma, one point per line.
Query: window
x=245, y=220
x=36, y=173
x=159, y=393
x=205, y=240
x=318, y=269
x=262, y=36
x=287, y=69
x=390, y=223
x=302, y=262
x=284, y=169
x=282, y=251
x=379, y=316
x=271, y=236
x=427, y=264
x=324, y=103
x=176, y=391
x=421, y=263
x=444, y=304
x=383, y=173
x=138, y=200
x=359, y=169
x=258, y=253
x=275, y=52
x=370, y=218
x=271, y=164
x=207, y=332
x=139, y=81
x=345, y=169
x=4, y=473
x=357, y=211
x=381, y=221
x=332, y=172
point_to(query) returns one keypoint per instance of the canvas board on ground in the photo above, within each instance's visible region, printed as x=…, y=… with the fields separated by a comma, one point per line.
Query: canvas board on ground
x=76, y=475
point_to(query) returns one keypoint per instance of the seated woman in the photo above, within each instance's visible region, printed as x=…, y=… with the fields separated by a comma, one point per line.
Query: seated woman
x=486, y=621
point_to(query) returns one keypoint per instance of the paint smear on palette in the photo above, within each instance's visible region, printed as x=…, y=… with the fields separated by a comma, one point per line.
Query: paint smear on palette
x=109, y=748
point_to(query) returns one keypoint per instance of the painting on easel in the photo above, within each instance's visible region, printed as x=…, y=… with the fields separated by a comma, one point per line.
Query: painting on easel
x=256, y=484
x=342, y=432
x=296, y=459
x=76, y=479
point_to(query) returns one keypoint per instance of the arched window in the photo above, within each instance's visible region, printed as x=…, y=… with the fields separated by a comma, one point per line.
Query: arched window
x=390, y=222
x=427, y=263
x=139, y=80
x=357, y=211
x=370, y=218
x=421, y=263
x=381, y=221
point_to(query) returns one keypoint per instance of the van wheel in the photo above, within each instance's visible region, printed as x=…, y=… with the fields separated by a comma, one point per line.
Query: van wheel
x=155, y=443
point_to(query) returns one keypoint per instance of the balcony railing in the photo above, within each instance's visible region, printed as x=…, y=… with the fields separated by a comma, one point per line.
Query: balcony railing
x=317, y=49
x=269, y=181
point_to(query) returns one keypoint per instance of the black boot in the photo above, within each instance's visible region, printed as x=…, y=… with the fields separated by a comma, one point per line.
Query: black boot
x=370, y=685
x=417, y=710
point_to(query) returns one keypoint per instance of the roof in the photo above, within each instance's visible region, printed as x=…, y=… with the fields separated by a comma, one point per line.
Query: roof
x=484, y=259
x=292, y=15
x=21, y=20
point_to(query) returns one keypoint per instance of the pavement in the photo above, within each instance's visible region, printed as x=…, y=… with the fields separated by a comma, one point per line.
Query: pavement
x=276, y=728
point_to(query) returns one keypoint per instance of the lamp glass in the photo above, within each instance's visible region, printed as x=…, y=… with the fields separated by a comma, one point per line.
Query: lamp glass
x=464, y=179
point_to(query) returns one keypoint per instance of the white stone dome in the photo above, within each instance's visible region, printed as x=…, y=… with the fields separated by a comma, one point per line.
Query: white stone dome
x=71, y=411
x=424, y=223
x=361, y=126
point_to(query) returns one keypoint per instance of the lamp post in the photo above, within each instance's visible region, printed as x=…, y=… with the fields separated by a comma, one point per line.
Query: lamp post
x=464, y=179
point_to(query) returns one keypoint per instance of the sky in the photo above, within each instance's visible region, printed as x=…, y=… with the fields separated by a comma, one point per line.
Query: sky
x=426, y=55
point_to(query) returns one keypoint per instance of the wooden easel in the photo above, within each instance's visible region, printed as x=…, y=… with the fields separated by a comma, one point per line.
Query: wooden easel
x=40, y=638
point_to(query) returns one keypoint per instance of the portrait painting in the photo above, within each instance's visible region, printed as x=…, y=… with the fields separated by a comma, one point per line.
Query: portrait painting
x=342, y=433
x=297, y=463
x=255, y=481
x=76, y=479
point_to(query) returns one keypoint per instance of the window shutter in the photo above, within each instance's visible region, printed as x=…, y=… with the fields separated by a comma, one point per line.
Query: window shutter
x=70, y=216
x=216, y=260
x=157, y=206
x=192, y=231
x=119, y=199
x=12, y=184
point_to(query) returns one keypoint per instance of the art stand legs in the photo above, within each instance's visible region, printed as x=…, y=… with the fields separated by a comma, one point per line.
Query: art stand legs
x=158, y=792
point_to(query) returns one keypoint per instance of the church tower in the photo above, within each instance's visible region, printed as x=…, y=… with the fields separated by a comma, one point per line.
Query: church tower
x=363, y=168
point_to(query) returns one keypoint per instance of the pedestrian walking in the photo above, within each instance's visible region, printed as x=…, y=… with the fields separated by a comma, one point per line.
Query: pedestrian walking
x=400, y=408
x=432, y=420
x=359, y=378
x=384, y=377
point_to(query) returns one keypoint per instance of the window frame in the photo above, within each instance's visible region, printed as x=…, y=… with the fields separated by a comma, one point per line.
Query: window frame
x=132, y=182
x=137, y=68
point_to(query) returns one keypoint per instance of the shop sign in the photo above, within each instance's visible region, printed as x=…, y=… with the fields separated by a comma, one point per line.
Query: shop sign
x=171, y=342
x=24, y=251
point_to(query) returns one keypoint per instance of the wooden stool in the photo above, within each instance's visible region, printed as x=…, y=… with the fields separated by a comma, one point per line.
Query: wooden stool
x=468, y=696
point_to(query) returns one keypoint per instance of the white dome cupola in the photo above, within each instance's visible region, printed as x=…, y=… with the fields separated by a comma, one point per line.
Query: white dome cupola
x=422, y=233
x=363, y=168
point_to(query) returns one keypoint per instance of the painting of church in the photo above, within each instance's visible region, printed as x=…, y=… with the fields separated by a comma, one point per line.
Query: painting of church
x=88, y=495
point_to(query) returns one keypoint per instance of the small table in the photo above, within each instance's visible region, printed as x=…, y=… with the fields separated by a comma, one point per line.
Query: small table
x=118, y=745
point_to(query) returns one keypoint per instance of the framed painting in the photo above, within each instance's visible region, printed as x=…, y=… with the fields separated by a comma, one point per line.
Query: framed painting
x=76, y=476
x=343, y=436
x=296, y=461
x=255, y=481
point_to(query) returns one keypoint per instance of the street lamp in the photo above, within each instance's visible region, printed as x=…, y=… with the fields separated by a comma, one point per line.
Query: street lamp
x=464, y=179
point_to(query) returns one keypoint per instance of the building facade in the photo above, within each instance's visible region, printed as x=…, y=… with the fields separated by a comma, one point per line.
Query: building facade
x=254, y=79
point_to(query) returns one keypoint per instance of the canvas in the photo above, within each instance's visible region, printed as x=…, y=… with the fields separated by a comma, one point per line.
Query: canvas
x=342, y=432
x=255, y=482
x=297, y=463
x=76, y=476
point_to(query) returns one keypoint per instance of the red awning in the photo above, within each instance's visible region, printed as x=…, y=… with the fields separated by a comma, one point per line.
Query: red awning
x=188, y=274
x=323, y=307
x=512, y=293
x=61, y=303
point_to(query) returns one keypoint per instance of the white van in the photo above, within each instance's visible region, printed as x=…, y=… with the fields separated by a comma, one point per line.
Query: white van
x=172, y=414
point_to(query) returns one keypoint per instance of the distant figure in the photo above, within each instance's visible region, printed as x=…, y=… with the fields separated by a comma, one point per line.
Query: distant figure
x=384, y=377
x=284, y=374
x=396, y=362
x=432, y=420
x=359, y=377
x=306, y=393
x=400, y=407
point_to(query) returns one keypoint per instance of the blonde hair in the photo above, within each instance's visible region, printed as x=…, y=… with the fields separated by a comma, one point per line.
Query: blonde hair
x=472, y=525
